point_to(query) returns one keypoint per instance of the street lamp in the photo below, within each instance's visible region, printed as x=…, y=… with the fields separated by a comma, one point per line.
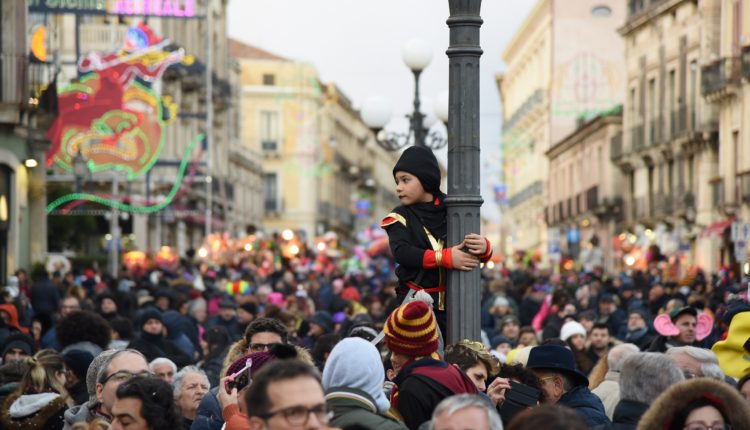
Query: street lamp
x=80, y=169
x=377, y=111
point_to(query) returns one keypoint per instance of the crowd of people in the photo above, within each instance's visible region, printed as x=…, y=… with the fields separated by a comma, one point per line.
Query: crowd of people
x=301, y=349
x=307, y=345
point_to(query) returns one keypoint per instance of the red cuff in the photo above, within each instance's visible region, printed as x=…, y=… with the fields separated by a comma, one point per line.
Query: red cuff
x=428, y=260
x=447, y=258
x=487, y=254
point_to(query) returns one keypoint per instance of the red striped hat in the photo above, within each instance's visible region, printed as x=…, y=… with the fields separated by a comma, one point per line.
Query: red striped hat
x=411, y=330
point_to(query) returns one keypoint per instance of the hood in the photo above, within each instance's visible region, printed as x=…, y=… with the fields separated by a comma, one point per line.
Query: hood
x=670, y=402
x=78, y=413
x=30, y=404
x=355, y=363
x=13, y=314
x=86, y=346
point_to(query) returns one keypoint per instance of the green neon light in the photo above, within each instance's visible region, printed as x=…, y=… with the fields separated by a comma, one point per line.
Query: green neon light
x=130, y=208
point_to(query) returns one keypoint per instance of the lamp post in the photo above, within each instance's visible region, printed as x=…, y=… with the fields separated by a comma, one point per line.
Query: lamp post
x=377, y=111
x=80, y=170
x=464, y=199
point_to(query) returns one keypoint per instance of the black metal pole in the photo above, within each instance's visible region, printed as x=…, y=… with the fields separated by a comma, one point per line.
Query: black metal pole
x=417, y=119
x=464, y=199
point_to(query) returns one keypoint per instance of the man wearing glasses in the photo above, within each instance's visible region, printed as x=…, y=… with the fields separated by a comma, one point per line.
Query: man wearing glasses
x=259, y=336
x=119, y=367
x=287, y=394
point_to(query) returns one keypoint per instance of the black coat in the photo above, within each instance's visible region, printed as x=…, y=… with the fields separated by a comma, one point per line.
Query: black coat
x=45, y=297
x=154, y=348
x=586, y=404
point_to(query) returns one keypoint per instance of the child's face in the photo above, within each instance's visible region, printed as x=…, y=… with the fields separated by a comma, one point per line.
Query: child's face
x=409, y=190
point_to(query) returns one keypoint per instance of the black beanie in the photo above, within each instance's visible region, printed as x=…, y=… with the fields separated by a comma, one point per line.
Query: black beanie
x=420, y=162
x=151, y=313
x=78, y=362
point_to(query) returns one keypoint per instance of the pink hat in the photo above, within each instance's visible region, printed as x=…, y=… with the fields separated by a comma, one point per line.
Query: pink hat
x=277, y=299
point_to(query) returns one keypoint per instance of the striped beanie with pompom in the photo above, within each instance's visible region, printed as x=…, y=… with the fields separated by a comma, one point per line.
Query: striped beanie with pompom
x=411, y=330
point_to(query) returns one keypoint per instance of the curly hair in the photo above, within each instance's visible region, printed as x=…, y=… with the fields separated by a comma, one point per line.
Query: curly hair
x=83, y=326
x=157, y=402
x=259, y=325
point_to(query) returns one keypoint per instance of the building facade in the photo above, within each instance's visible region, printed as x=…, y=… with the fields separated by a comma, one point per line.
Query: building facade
x=558, y=71
x=584, y=194
x=322, y=171
x=726, y=84
x=215, y=192
x=23, y=229
x=669, y=153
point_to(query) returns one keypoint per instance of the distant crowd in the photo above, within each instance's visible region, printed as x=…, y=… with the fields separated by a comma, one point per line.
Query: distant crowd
x=230, y=347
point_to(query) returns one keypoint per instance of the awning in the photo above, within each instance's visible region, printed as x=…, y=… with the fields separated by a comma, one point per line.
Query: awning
x=716, y=229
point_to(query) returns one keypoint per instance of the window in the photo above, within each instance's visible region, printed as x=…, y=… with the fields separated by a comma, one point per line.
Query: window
x=270, y=192
x=269, y=79
x=601, y=11
x=269, y=131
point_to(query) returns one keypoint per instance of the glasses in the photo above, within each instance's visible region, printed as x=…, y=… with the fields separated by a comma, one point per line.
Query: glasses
x=258, y=347
x=689, y=375
x=701, y=426
x=298, y=415
x=123, y=375
x=547, y=378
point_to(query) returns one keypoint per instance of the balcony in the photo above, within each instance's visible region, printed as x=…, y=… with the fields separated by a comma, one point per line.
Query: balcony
x=102, y=37
x=636, y=137
x=745, y=59
x=720, y=74
x=615, y=147
x=717, y=192
x=654, y=132
x=592, y=198
x=678, y=122
x=638, y=7
x=13, y=85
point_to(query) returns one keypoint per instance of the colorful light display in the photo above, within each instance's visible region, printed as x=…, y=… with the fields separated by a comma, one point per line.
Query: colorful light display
x=111, y=115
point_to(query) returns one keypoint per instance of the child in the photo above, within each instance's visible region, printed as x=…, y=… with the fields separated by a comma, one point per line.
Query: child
x=417, y=231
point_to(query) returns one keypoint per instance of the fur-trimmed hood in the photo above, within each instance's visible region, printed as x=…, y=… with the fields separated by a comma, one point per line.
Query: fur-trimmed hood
x=670, y=402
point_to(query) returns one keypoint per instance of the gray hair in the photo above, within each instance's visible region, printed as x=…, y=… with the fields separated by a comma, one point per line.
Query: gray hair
x=161, y=360
x=645, y=375
x=195, y=304
x=102, y=373
x=709, y=363
x=453, y=404
x=618, y=353
x=179, y=376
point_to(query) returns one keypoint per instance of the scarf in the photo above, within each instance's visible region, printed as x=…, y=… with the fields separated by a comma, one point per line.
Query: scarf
x=433, y=215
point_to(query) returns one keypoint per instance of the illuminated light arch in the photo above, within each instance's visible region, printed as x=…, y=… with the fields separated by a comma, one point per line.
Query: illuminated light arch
x=128, y=207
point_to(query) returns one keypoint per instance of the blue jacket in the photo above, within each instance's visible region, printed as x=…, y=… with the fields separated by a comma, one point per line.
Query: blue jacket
x=208, y=416
x=588, y=406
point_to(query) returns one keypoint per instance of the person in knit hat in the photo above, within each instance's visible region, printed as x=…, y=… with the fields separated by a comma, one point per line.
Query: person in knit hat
x=417, y=231
x=422, y=378
x=152, y=342
x=240, y=373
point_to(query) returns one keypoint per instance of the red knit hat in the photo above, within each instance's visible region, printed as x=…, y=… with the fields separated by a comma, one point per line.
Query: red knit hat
x=412, y=330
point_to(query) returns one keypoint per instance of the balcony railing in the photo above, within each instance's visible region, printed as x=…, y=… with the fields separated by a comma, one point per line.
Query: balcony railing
x=678, y=124
x=636, y=137
x=654, y=134
x=720, y=74
x=592, y=198
x=102, y=37
x=615, y=146
x=717, y=192
x=13, y=75
x=745, y=58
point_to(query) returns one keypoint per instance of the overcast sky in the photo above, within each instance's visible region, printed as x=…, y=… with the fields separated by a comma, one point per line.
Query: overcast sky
x=357, y=44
